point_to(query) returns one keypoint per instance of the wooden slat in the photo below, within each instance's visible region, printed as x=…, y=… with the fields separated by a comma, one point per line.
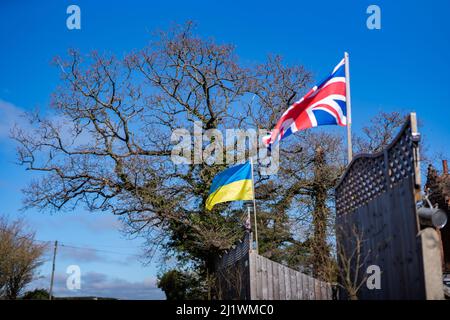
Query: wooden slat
x=282, y=282
x=264, y=279
x=299, y=286
x=276, y=281
x=253, y=276
x=311, y=288
x=305, y=286
x=287, y=282
x=270, y=279
x=398, y=222
x=317, y=289
x=321, y=291
x=329, y=295
x=377, y=241
x=386, y=253
x=258, y=278
x=294, y=291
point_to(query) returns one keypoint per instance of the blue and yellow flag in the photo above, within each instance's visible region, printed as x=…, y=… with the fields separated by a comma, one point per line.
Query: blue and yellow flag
x=232, y=184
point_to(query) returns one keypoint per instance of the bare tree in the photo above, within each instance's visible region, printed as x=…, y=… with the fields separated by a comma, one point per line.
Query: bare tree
x=107, y=144
x=351, y=260
x=381, y=131
x=20, y=256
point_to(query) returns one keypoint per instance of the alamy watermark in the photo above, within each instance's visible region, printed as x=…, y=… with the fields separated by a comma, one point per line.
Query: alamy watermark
x=373, y=281
x=73, y=21
x=373, y=21
x=233, y=146
x=73, y=281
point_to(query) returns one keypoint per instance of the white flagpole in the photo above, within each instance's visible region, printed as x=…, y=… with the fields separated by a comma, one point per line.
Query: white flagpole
x=349, y=108
x=254, y=207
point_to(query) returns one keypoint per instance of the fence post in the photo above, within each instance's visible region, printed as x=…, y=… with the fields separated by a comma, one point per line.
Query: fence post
x=432, y=263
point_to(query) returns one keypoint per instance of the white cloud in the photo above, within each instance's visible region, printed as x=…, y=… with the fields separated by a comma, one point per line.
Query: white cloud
x=78, y=255
x=102, y=285
x=9, y=116
x=98, y=223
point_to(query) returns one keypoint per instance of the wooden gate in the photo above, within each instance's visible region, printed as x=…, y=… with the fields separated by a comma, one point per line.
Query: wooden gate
x=377, y=223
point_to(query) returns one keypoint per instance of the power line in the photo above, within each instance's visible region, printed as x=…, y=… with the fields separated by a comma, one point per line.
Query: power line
x=69, y=245
x=98, y=250
x=100, y=246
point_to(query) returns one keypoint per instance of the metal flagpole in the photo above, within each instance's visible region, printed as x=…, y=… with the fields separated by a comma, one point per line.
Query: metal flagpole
x=349, y=108
x=254, y=207
x=248, y=222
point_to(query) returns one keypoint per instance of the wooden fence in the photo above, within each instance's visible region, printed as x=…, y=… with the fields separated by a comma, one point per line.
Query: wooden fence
x=377, y=223
x=245, y=275
x=270, y=280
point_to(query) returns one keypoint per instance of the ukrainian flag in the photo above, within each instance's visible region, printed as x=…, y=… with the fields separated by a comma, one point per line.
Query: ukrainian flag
x=232, y=184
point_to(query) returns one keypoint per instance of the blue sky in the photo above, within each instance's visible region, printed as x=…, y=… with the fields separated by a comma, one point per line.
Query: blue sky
x=404, y=66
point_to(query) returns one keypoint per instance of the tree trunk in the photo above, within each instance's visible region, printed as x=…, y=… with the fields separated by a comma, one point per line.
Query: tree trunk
x=320, y=249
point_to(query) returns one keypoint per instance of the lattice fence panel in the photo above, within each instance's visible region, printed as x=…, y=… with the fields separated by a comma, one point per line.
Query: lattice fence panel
x=370, y=175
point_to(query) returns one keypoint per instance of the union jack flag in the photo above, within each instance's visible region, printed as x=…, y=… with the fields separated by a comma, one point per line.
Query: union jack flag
x=325, y=104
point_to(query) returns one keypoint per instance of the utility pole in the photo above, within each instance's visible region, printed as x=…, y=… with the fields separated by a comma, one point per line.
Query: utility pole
x=53, y=271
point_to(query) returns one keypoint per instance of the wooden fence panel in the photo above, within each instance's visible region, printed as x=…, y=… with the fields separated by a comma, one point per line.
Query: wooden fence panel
x=243, y=274
x=282, y=283
x=376, y=202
